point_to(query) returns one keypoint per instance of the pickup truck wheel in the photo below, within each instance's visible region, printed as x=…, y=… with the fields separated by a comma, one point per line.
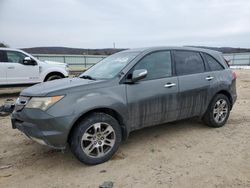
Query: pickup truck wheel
x=53, y=77
x=218, y=111
x=96, y=138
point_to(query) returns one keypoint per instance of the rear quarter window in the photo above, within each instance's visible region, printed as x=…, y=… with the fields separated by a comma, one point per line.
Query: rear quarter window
x=213, y=64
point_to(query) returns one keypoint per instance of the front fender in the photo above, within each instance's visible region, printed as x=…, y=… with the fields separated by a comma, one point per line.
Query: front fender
x=54, y=69
x=110, y=100
x=76, y=104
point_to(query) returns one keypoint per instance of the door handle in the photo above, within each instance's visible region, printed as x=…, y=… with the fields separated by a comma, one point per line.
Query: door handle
x=168, y=85
x=209, y=78
x=11, y=67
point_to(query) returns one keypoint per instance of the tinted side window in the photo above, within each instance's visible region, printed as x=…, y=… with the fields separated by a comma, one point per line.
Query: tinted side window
x=3, y=56
x=15, y=57
x=158, y=65
x=212, y=63
x=188, y=62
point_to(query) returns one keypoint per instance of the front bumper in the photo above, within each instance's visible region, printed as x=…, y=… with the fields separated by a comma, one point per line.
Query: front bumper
x=42, y=127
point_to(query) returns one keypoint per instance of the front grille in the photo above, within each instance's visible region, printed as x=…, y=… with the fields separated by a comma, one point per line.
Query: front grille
x=21, y=102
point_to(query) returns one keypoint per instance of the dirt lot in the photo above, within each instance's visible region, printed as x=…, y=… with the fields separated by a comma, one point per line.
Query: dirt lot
x=181, y=154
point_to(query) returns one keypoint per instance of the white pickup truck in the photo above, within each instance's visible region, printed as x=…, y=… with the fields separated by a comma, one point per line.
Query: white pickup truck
x=19, y=67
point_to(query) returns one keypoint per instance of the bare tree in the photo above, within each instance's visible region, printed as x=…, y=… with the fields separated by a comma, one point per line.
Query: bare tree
x=2, y=44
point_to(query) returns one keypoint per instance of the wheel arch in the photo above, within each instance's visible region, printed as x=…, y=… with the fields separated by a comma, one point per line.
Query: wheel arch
x=53, y=73
x=105, y=110
x=227, y=94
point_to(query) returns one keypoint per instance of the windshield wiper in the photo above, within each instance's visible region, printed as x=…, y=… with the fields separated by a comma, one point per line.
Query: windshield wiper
x=87, y=77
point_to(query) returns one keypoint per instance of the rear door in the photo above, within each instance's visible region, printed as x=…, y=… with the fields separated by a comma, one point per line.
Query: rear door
x=153, y=100
x=3, y=68
x=194, y=82
x=17, y=72
x=219, y=73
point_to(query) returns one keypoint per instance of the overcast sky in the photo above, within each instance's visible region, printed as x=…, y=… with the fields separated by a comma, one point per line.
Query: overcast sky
x=128, y=23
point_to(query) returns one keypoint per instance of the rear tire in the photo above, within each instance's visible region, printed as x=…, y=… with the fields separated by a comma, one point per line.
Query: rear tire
x=96, y=139
x=218, y=111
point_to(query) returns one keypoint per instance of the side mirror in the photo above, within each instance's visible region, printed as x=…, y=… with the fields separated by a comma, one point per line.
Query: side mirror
x=28, y=61
x=139, y=75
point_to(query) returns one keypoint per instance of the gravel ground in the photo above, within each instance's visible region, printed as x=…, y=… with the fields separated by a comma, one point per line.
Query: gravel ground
x=180, y=154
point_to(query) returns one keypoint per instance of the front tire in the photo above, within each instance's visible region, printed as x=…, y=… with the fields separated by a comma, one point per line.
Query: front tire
x=96, y=138
x=53, y=77
x=218, y=111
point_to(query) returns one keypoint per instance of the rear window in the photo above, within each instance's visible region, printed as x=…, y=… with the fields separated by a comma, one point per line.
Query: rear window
x=213, y=64
x=188, y=62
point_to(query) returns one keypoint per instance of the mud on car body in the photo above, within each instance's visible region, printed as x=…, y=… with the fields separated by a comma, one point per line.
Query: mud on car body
x=126, y=91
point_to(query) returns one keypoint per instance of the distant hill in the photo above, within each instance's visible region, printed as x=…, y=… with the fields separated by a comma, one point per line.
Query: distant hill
x=73, y=51
x=109, y=51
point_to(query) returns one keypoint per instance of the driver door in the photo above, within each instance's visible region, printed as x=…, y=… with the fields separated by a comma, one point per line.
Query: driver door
x=19, y=73
x=153, y=100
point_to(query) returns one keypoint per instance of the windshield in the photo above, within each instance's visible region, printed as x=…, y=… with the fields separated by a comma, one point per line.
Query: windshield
x=109, y=67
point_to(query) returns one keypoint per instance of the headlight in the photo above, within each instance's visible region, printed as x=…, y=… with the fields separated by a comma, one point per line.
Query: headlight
x=43, y=103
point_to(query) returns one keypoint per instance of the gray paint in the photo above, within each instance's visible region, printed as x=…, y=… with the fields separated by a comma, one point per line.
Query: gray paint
x=141, y=104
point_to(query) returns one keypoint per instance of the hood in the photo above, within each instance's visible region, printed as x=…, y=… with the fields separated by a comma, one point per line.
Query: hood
x=62, y=86
x=54, y=63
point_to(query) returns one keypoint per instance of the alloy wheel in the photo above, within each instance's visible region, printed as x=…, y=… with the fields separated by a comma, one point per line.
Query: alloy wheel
x=220, y=110
x=98, y=140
